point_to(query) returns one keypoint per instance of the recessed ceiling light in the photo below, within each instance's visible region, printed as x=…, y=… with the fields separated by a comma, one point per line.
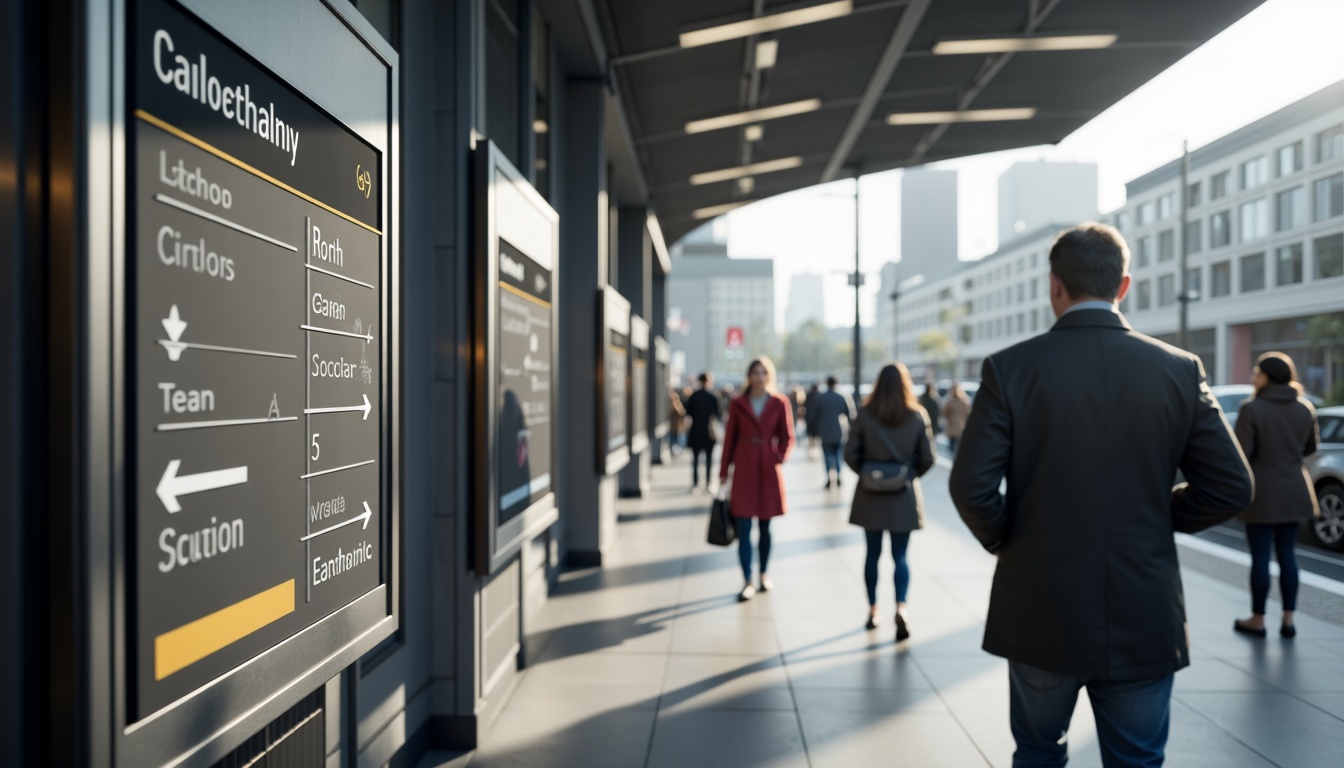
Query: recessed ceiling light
x=963, y=116
x=718, y=210
x=746, y=186
x=764, y=24
x=1023, y=43
x=728, y=174
x=540, y=126
x=753, y=133
x=753, y=115
x=767, y=51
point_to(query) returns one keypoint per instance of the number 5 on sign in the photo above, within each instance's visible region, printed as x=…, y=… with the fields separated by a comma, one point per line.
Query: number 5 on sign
x=317, y=449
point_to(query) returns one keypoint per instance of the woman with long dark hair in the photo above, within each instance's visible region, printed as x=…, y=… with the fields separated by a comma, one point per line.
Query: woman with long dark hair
x=757, y=440
x=892, y=429
x=1277, y=428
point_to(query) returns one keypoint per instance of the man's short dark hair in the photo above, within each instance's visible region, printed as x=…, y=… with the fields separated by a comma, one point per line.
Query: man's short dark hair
x=1089, y=260
x=830, y=382
x=704, y=378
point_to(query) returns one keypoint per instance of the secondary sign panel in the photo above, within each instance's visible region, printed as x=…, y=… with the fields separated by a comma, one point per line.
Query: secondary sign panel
x=256, y=267
x=524, y=423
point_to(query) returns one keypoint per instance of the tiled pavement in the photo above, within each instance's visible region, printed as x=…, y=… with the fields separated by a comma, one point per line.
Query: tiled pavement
x=650, y=661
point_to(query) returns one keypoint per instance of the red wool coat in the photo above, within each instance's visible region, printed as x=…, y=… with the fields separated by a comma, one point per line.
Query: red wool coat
x=756, y=447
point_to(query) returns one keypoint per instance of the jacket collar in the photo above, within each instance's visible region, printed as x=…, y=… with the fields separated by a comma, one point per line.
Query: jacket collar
x=1281, y=393
x=743, y=403
x=1091, y=318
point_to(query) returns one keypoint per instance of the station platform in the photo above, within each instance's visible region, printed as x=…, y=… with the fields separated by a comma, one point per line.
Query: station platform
x=651, y=661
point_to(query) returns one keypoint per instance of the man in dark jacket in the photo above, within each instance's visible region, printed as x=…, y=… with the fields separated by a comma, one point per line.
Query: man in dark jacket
x=1089, y=424
x=704, y=410
x=929, y=400
x=830, y=407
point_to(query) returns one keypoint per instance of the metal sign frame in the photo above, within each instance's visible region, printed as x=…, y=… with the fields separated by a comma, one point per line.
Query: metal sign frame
x=613, y=317
x=640, y=366
x=508, y=209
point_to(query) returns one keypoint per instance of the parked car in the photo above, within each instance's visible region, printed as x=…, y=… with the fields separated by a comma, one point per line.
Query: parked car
x=1326, y=468
x=1231, y=396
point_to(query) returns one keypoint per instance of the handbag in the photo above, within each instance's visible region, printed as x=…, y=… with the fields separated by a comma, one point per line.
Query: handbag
x=885, y=476
x=722, y=529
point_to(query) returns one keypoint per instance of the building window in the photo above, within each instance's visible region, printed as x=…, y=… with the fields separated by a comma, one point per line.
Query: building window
x=1288, y=264
x=1329, y=194
x=1021, y=322
x=1122, y=221
x=1220, y=229
x=1330, y=144
x=1166, y=290
x=1290, y=209
x=1166, y=245
x=1166, y=206
x=1145, y=294
x=1252, y=272
x=1329, y=253
x=1034, y=284
x=1220, y=277
x=1124, y=305
x=1145, y=252
x=503, y=81
x=1193, y=282
x=1253, y=220
x=1290, y=158
x=1035, y=321
x=541, y=109
x=1192, y=194
x=1145, y=214
x=1194, y=241
x=1254, y=172
x=1218, y=185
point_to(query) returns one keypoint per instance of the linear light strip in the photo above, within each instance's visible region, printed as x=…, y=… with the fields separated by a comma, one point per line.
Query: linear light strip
x=1021, y=44
x=764, y=24
x=728, y=174
x=962, y=116
x=753, y=115
x=718, y=210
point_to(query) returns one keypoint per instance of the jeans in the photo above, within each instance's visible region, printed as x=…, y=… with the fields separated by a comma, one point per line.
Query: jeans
x=695, y=465
x=952, y=444
x=831, y=453
x=1133, y=717
x=1265, y=540
x=744, y=544
x=899, y=542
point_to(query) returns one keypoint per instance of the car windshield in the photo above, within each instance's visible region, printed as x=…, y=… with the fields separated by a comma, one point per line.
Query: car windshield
x=1332, y=429
x=1231, y=403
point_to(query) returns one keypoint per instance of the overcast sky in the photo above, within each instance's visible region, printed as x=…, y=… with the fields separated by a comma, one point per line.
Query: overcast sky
x=1279, y=53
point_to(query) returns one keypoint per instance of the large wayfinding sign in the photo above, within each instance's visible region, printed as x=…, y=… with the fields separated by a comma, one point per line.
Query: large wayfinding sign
x=256, y=361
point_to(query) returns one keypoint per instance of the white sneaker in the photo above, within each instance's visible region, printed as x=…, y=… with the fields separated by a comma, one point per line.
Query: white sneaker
x=767, y=584
x=746, y=594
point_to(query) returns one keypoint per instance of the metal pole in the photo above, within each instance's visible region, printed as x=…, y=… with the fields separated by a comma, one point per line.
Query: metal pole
x=1184, y=192
x=858, y=282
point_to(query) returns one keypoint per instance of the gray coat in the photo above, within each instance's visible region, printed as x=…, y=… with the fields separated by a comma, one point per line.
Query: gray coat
x=1276, y=430
x=824, y=418
x=900, y=512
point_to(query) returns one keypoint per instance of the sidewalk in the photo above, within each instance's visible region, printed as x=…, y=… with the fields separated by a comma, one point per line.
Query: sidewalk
x=650, y=661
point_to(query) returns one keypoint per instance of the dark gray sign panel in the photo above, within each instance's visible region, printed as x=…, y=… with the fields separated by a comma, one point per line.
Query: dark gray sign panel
x=525, y=384
x=613, y=392
x=639, y=384
x=662, y=359
x=255, y=275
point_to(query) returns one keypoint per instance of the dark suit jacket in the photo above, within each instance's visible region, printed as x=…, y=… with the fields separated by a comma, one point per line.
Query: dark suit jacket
x=702, y=408
x=1276, y=429
x=1089, y=424
x=824, y=418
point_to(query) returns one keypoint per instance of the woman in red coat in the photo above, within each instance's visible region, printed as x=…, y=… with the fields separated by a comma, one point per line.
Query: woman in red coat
x=758, y=439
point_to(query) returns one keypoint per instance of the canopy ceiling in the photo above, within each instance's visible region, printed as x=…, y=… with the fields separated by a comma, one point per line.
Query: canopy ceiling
x=883, y=48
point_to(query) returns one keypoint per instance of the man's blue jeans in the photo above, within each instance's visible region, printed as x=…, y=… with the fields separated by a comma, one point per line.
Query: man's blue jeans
x=1133, y=717
x=831, y=453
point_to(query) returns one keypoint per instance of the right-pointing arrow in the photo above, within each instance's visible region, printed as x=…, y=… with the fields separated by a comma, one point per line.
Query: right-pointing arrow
x=368, y=513
x=343, y=408
x=172, y=485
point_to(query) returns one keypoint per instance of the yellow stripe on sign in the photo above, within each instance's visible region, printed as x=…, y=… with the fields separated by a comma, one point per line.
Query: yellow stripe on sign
x=189, y=643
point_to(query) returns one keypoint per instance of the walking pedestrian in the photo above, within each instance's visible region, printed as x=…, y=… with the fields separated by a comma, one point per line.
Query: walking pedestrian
x=809, y=408
x=1277, y=428
x=956, y=409
x=928, y=400
x=676, y=421
x=703, y=409
x=757, y=441
x=892, y=427
x=826, y=418
x=1087, y=589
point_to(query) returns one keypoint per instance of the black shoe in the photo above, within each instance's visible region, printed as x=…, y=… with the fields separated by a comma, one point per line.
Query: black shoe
x=827, y=486
x=837, y=482
x=902, y=631
x=1237, y=626
x=873, y=619
x=1288, y=630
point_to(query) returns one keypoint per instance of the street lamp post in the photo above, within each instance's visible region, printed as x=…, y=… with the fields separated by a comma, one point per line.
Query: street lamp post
x=857, y=280
x=1185, y=298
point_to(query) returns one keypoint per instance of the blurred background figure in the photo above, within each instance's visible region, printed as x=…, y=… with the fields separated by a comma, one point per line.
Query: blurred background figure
x=704, y=410
x=809, y=407
x=928, y=400
x=956, y=409
x=831, y=414
x=676, y=421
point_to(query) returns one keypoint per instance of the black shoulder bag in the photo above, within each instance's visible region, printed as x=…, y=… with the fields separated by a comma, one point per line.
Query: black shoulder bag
x=884, y=476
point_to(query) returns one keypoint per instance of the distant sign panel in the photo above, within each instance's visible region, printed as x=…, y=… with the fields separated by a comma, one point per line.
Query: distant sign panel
x=255, y=266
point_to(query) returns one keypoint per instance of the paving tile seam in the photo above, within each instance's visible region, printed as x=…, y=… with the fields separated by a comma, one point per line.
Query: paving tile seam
x=1176, y=697
x=952, y=712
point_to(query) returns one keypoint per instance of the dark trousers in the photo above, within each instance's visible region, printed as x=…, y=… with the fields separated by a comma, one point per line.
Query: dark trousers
x=899, y=542
x=744, y=544
x=1133, y=717
x=695, y=464
x=831, y=453
x=1272, y=539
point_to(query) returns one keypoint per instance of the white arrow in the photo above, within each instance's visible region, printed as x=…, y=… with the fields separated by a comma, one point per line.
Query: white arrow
x=342, y=408
x=171, y=485
x=365, y=517
x=367, y=336
x=174, y=325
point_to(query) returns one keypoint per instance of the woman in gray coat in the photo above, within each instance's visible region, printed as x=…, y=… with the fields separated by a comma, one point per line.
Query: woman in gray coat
x=1276, y=428
x=890, y=418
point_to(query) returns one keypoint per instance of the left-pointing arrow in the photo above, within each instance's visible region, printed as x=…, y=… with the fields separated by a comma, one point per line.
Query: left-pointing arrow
x=342, y=408
x=172, y=485
x=368, y=513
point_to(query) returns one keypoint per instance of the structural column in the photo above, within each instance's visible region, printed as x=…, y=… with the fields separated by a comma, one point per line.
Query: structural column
x=635, y=281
